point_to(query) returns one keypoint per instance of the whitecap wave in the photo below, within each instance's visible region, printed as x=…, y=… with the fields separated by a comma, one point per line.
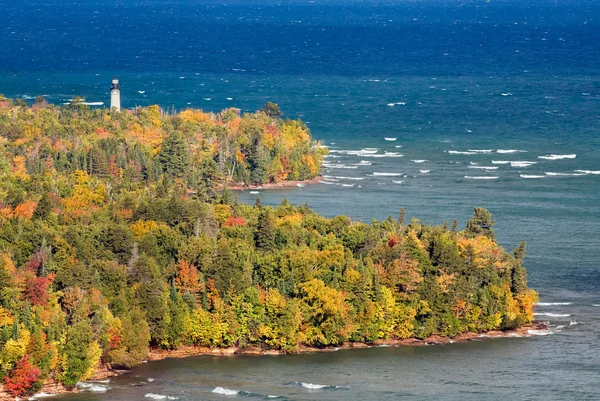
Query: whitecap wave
x=424, y=171
x=225, y=391
x=522, y=164
x=387, y=174
x=420, y=161
x=254, y=192
x=458, y=152
x=350, y=178
x=390, y=139
x=501, y=162
x=481, y=150
x=539, y=332
x=557, y=157
x=397, y=182
x=564, y=174
x=312, y=386
x=572, y=323
x=484, y=167
x=588, y=172
x=96, y=388
x=93, y=103
x=554, y=303
x=531, y=176
x=550, y=314
x=510, y=151
x=347, y=185
x=469, y=177
x=390, y=154
x=159, y=396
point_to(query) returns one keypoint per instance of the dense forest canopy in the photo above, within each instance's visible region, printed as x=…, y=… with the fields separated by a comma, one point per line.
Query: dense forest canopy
x=116, y=236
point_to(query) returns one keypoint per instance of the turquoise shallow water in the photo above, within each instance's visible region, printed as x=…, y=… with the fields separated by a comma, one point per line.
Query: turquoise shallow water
x=456, y=84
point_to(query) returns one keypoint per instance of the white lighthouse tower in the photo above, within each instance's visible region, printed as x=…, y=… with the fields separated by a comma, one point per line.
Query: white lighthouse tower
x=115, y=95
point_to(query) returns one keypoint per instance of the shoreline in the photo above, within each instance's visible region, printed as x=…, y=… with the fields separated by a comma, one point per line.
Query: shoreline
x=105, y=372
x=273, y=185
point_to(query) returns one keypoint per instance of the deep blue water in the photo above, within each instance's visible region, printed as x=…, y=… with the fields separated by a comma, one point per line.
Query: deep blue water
x=441, y=77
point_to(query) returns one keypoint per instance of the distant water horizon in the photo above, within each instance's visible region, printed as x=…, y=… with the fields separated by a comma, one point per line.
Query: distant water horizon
x=434, y=106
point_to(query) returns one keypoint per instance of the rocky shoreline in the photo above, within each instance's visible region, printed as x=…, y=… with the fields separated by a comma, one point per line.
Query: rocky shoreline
x=103, y=373
x=274, y=185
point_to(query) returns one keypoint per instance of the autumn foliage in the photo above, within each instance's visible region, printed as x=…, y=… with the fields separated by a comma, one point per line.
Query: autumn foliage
x=22, y=378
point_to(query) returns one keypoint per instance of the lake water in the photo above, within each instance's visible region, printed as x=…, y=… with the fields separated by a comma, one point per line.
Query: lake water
x=482, y=104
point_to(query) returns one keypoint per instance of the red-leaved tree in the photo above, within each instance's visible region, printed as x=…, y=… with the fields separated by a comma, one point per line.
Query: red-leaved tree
x=22, y=378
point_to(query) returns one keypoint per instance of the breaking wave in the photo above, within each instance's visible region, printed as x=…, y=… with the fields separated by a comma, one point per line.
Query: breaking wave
x=557, y=157
x=564, y=174
x=522, y=164
x=531, y=176
x=539, y=332
x=159, y=396
x=457, y=152
x=510, y=151
x=312, y=386
x=549, y=314
x=225, y=391
x=387, y=174
x=484, y=167
x=469, y=177
x=553, y=303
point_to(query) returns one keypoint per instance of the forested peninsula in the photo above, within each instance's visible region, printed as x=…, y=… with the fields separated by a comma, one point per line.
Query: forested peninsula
x=118, y=236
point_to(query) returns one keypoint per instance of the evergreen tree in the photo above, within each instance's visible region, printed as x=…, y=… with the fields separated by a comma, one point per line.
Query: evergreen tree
x=481, y=223
x=174, y=156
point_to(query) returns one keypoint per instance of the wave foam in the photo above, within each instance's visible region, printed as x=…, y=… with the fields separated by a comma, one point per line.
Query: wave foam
x=522, y=164
x=390, y=139
x=387, y=174
x=484, y=167
x=549, y=314
x=349, y=178
x=397, y=182
x=553, y=303
x=424, y=171
x=96, y=388
x=42, y=395
x=539, y=332
x=510, y=151
x=312, y=386
x=480, y=150
x=457, y=152
x=501, y=162
x=420, y=161
x=588, y=172
x=225, y=391
x=159, y=396
x=572, y=323
x=531, y=176
x=557, y=157
x=469, y=177
x=564, y=174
